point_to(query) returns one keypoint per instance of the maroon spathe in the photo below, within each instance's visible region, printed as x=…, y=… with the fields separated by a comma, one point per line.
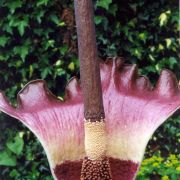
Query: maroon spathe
x=121, y=170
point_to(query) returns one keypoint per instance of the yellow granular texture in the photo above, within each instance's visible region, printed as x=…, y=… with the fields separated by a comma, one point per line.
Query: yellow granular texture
x=95, y=140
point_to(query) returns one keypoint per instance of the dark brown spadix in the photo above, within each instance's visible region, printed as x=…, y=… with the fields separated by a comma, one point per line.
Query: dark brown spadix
x=89, y=65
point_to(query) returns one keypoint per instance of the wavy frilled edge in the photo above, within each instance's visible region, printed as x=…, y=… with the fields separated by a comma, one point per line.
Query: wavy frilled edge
x=134, y=110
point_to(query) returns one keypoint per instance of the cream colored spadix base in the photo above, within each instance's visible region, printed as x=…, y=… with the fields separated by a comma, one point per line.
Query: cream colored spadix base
x=95, y=140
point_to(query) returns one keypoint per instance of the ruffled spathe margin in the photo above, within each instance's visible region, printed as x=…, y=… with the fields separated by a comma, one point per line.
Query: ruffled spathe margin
x=133, y=108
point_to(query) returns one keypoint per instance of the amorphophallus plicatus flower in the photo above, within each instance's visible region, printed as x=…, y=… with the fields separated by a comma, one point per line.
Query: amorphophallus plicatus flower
x=102, y=127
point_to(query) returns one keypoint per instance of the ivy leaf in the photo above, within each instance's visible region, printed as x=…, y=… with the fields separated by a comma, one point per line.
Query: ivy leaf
x=71, y=66
x=143, y=36
x=13, y=20
x=7, y=159
x=168, y=42
x=14, y=173
x=7, y=28
x=60, y=72
x=42, y=2
x=104, y=4
x=17, y=21
x=63, y=49
x=13, y=5
x=54, y=19
x=22, y=51
x=45, y=72
x=3, y=40
x=39, y=16
x=113, y=9
x=172, y=62
x=98, y=19
x=22, y=25
x=163, y=18
x=16, y=145
x=49, y=43
x=62, y=23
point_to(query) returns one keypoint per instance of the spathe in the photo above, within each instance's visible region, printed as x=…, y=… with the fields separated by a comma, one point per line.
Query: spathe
x=134, y=110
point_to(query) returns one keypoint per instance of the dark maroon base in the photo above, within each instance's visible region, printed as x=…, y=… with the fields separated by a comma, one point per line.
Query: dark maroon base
x=121, y=170
x=69, y=170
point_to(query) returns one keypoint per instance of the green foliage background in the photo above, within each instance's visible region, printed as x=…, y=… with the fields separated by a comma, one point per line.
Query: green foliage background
x=38, y=40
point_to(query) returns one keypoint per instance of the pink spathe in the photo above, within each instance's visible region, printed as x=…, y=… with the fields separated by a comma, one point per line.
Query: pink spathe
x=133, y=108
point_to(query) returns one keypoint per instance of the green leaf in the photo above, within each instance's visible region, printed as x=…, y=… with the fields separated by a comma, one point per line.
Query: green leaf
x=160, y=47
x=168, y=42
x=42, y=2
x=157, y=66
x=98, y=19
x=7, y=159
x=163, y=18
x=45, y=72
x=7, y=28
x=172, y=62
x=14, y=173
x=16, y=145
x=31, y=70
x=13, y=20
x=104, y=4
x=150, y=69
x=58, y=63
x=62, y=23
x=40, y=15
x=151, y=57
x=3, y=40
x=22, y=25
x=71, y=66
x=54, y=18
x=22, y=51
x=17, y=21
x=63, y=49
x=113, y=9
x=143, y=36
x=125, y=30
x=13, y=5
x=60, y=72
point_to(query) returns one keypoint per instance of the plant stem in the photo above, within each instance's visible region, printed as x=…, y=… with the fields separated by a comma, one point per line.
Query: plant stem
x=89, y=65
